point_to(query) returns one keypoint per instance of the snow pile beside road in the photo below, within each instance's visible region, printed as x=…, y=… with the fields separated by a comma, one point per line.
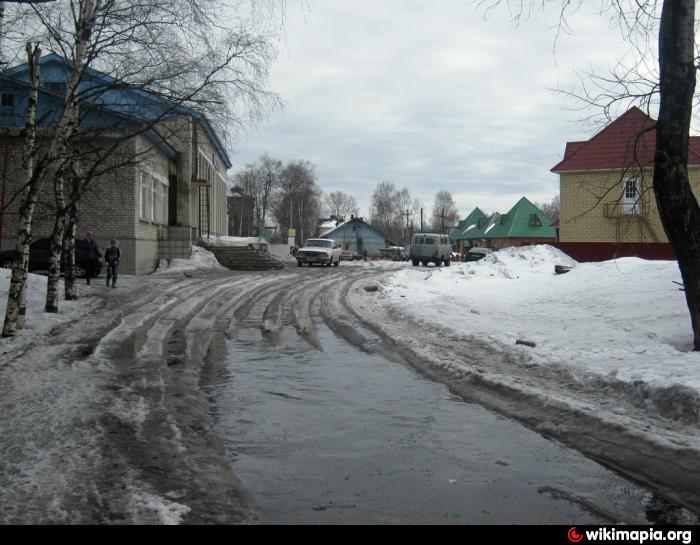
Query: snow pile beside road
x=39, y=322
x=200, y=260
x=213, y=240
x=623, y=319
x=281, y=252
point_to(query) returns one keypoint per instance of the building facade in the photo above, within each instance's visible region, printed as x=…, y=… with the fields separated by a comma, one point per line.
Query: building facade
x=165, y=189
x=357, y=236
x=608, y=207
x=522, y=225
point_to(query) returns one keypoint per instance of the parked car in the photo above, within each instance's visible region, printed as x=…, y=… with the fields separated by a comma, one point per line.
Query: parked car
x=39, y=253
x=323, y=251
x=394, y=253
x=430, y=247
x=475, y=254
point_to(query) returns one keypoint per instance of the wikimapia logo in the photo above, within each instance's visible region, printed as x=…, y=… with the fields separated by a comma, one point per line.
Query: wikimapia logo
x=635, y=536
x=573, y=535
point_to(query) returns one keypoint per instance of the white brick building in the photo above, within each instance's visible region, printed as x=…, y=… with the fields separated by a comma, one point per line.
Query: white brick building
x=168, y=184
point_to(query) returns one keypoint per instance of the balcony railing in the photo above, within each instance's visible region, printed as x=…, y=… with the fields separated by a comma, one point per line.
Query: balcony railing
x=622, y=210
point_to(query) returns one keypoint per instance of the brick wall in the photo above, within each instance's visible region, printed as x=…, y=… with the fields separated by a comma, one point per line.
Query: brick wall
x=588, y=197
x=110, y=208
x=179, y=133
x=507, y=242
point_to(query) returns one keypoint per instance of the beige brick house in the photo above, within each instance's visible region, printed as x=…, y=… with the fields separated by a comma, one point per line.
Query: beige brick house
x=608, y=208
x=167, y=189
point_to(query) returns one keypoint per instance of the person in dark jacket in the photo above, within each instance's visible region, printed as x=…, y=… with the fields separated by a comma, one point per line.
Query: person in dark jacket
x=90, y=254
x=112, y=256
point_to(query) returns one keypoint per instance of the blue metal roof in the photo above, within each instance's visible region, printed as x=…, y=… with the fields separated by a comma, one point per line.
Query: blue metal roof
x=117, y=96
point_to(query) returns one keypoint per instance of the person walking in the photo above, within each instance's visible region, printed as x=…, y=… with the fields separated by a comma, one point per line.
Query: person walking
x=91, y=253
x=112, y=256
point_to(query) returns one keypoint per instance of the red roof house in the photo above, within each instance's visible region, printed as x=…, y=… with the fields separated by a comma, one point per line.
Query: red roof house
x=608, y=208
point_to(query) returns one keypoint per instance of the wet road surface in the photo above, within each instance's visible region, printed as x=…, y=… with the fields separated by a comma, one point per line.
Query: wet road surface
x=346, y=436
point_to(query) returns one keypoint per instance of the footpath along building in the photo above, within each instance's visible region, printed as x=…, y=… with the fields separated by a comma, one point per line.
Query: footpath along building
x=168, y=185
x=608, y=207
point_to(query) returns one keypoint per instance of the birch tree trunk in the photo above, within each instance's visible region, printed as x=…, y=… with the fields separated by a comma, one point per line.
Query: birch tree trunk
x=70, y=291
x=59, y=227
x=678, y=207
x=16, y=298
x=2, y=27
x=70, y=120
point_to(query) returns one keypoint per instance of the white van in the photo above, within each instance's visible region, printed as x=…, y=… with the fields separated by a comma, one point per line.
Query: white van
x=430, y=247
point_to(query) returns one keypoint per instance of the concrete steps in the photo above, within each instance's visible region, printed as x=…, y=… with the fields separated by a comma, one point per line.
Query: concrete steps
x=244, y=258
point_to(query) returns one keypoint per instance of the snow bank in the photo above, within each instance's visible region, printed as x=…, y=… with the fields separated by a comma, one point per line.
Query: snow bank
x=281, y=252
x=200, y=260
x=230, y=241
x=39, y=322
x=623, y=318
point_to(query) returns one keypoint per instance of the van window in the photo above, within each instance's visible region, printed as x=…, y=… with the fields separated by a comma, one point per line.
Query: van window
x=419, y=240
x=430, y=240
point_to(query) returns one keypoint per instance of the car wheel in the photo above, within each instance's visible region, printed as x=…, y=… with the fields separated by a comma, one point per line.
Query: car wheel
x=298, y=263
x=415, y=262
x=438, y=262
x=336, y=263
x=7, y=264
x=447, y=263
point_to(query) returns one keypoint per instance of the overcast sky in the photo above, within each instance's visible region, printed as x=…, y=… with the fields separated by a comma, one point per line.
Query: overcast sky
x=430, y=96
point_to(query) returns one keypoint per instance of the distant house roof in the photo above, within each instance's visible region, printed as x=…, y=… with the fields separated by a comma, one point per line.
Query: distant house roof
x=328, y=224
x=629, y=140
x=119, y=101
x=354, y=222
x=524, y=220
x=471, y=223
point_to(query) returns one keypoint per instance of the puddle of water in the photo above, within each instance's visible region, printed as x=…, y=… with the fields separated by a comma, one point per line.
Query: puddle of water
x=341, y=436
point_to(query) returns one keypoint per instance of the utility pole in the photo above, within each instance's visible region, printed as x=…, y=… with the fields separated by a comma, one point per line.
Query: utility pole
x=442, y=220
x=421, y=220
x=407, y=214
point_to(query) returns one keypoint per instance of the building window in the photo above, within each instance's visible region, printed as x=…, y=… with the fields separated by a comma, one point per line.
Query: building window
x=8, y=101
x=58, y=87
x=631, y=193
x=160, y=201
x=145, y=197
x=154, y=200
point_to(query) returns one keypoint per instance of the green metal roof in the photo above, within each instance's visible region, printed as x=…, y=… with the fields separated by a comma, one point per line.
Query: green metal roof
x=474, y=222
x=524, y=220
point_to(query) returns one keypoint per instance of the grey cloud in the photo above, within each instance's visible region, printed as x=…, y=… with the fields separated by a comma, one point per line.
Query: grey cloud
x=427, y=95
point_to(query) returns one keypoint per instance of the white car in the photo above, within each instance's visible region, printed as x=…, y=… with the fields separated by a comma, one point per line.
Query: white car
x=319, y=250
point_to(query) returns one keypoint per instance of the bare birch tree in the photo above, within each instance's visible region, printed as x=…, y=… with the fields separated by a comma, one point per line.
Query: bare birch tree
x=179, y=50
x=340, y=205
x=298, y=202
x=445, y=213
x=17, y=295
x=394, y=211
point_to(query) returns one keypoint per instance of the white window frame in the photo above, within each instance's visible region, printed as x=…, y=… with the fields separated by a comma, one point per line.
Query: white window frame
x=155, y=189
x=145, y=207
x=631, y=199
